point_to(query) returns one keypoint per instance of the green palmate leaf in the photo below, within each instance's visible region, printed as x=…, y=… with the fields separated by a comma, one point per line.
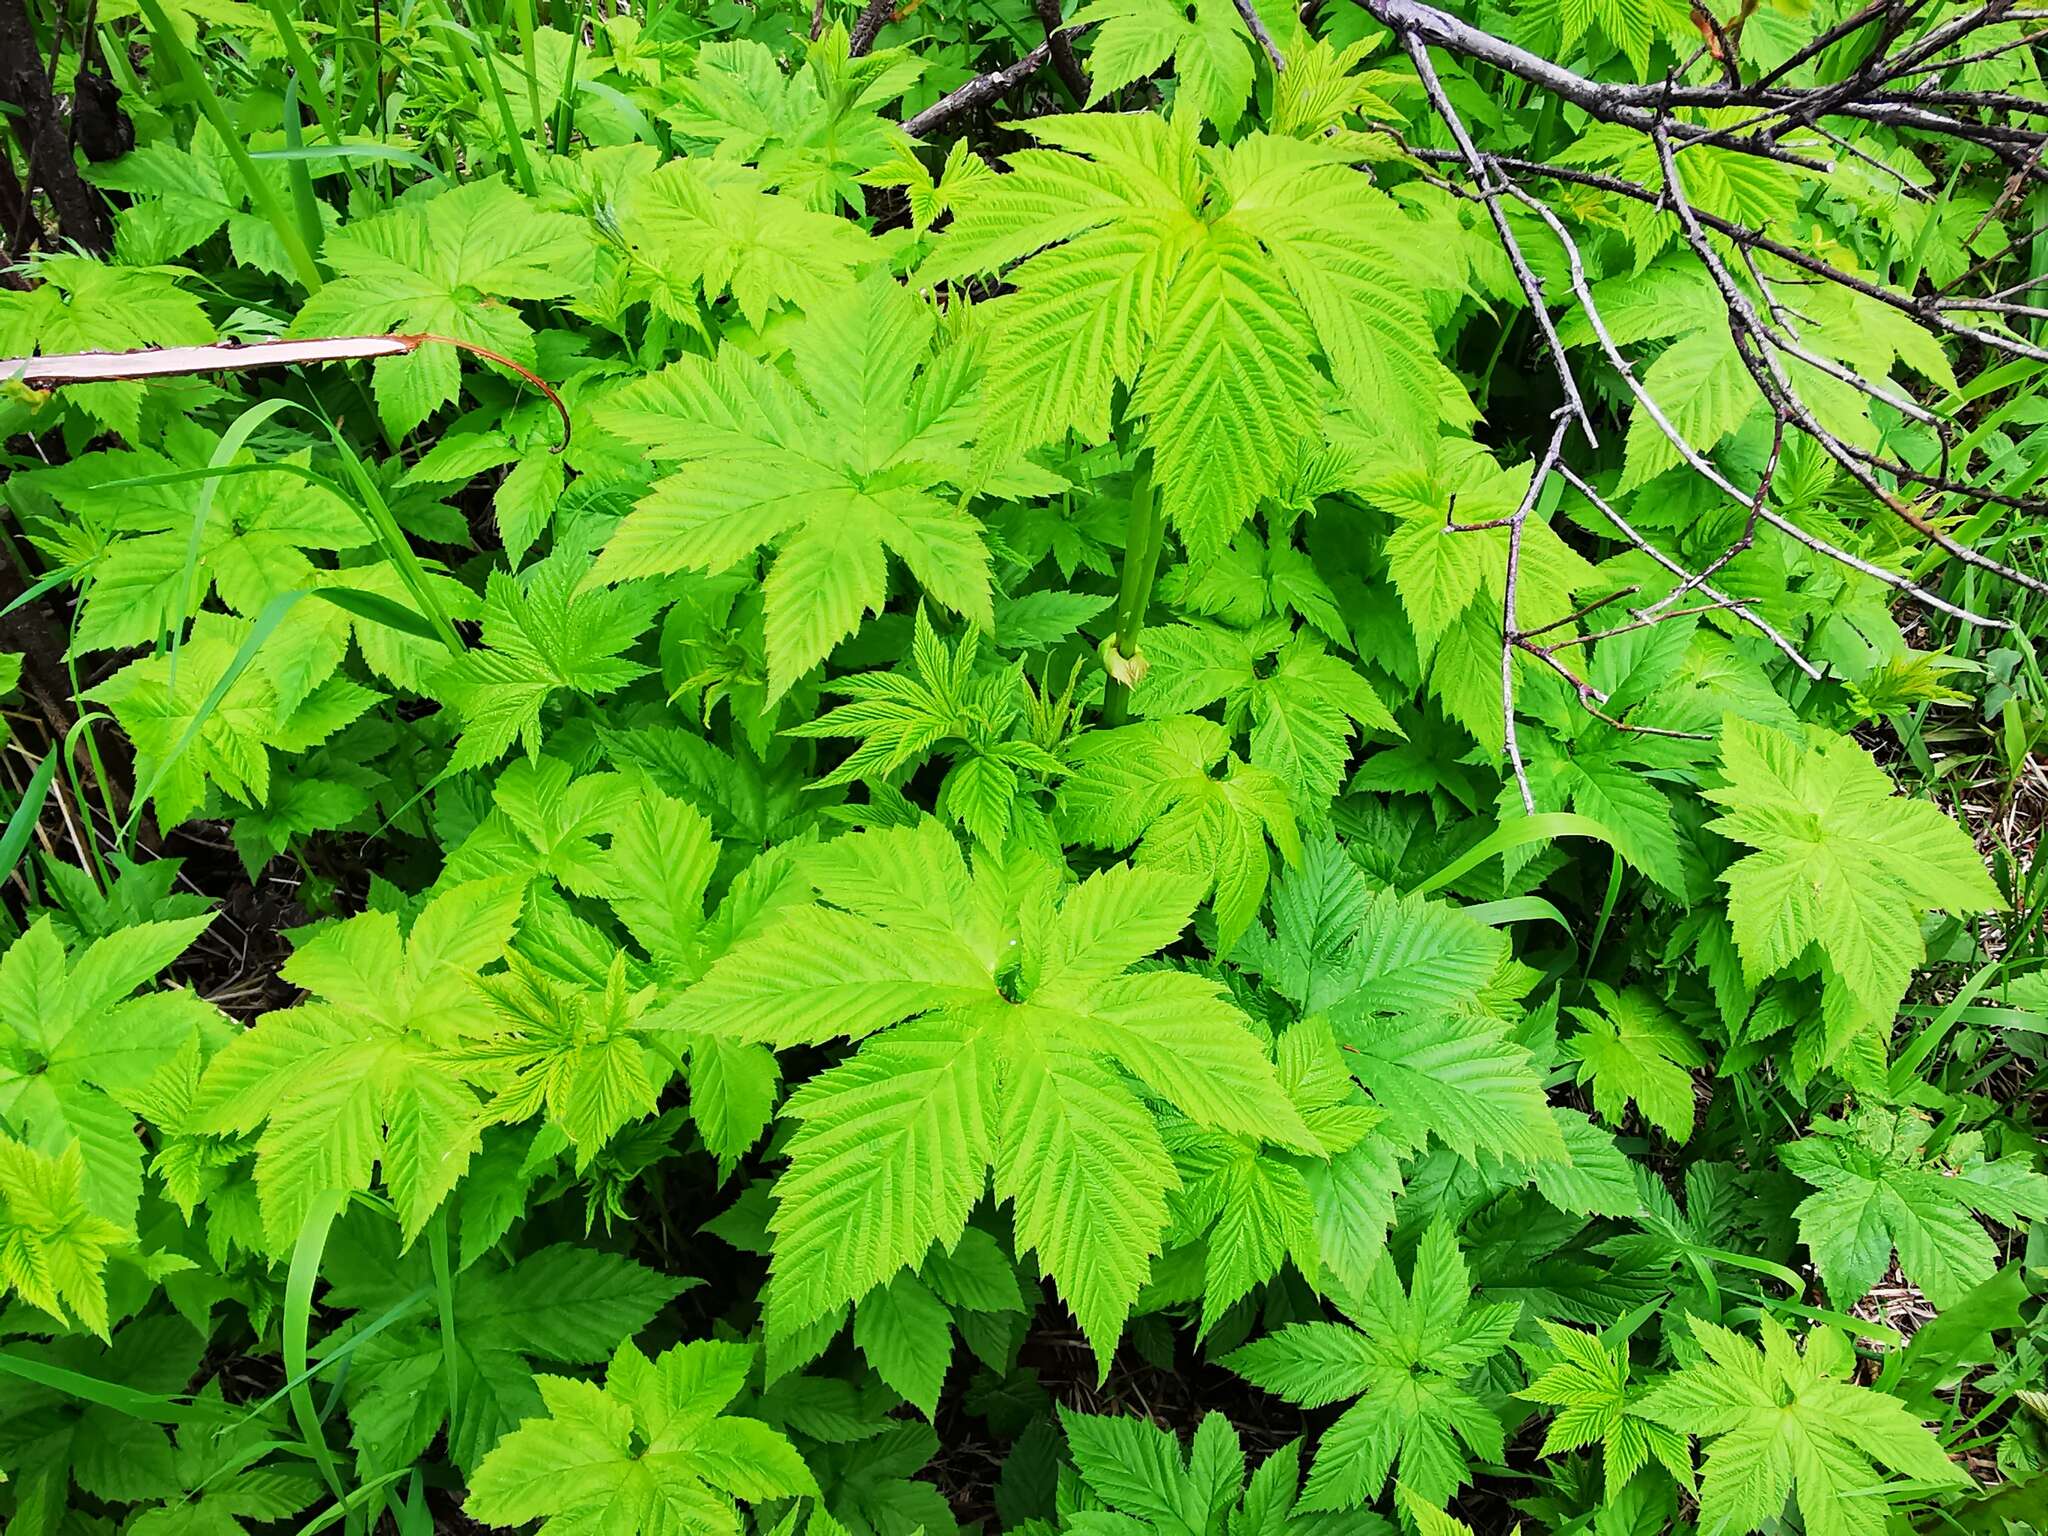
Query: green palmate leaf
x=930, y=196
x=77, y=1053
x=1452, y=584
x=222, y=1484
x=1404, y=993
x=1256, y=1208
x=1588, y=1384
x=1317, y=908
x=1256, y=1213
x=1210, y=293
x=365, y=1075
x=811, y=131
x=1406, y=1359
x=573, y=1052
x=252, y=542
x=1633, y=26
x=832, y=480
x=184, y=195
x=662, y=858
x=1635, y=1049
x=1152, y=1487
x=1141, y=1472
x=1428, y=1519
x=1843, y=863
x=1152, y=784
x=906, y=1334
x=1784, y=1421
x=542, y=637
x=437, y=269
x=1876, y=1189
x=544, y=824
x=212, y=713
x=698, y=230
x=1710, y=392
x=650, y=1452
x=1302, y=706
x=1207, y=41
x=53, y=1243
x=996, y=1005
x=944, y=702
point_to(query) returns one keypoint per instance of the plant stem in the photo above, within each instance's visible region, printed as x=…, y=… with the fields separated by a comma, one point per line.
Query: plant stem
x=1142, y=541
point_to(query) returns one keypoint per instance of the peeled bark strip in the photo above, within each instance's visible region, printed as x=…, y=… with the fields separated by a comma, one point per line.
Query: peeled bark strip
x=55, y=370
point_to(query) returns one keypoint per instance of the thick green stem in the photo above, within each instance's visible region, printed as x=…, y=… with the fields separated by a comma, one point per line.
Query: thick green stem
x=1142, y=543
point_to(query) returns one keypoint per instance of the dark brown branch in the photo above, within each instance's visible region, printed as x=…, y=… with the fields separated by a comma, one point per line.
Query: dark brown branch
x=1755, y=344
x=977, y=92
x=1065, y=62
x=45, y=136
x=1766, y=339
x=1820, y=45
x=1921, y=309
x=868, y=26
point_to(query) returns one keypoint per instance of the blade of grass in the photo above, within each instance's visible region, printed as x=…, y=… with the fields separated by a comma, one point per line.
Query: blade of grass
x=397, y=1312
x=82, y=726
x=304, y=68
x=378, y=609
x=231, y=443
x=1523, y=829
x=565, y=110
x=348, y=1508
x=384, y=153
x=56, y=578
x=444, y=1295
x=394, y=542
x=297, y=176
x=367, y=605
x=523, y=11
x=129, y=1402
x=167, y=43
x=21, y=825
x=298, y=1316
x=473, y=59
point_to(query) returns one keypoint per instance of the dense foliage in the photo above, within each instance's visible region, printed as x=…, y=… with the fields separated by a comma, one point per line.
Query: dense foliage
x=1230, y=770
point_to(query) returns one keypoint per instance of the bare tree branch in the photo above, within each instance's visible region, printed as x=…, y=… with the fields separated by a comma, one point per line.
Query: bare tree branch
x=977, y=92
x=868, y=26
x=1532, y=286
x=1064, y=60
